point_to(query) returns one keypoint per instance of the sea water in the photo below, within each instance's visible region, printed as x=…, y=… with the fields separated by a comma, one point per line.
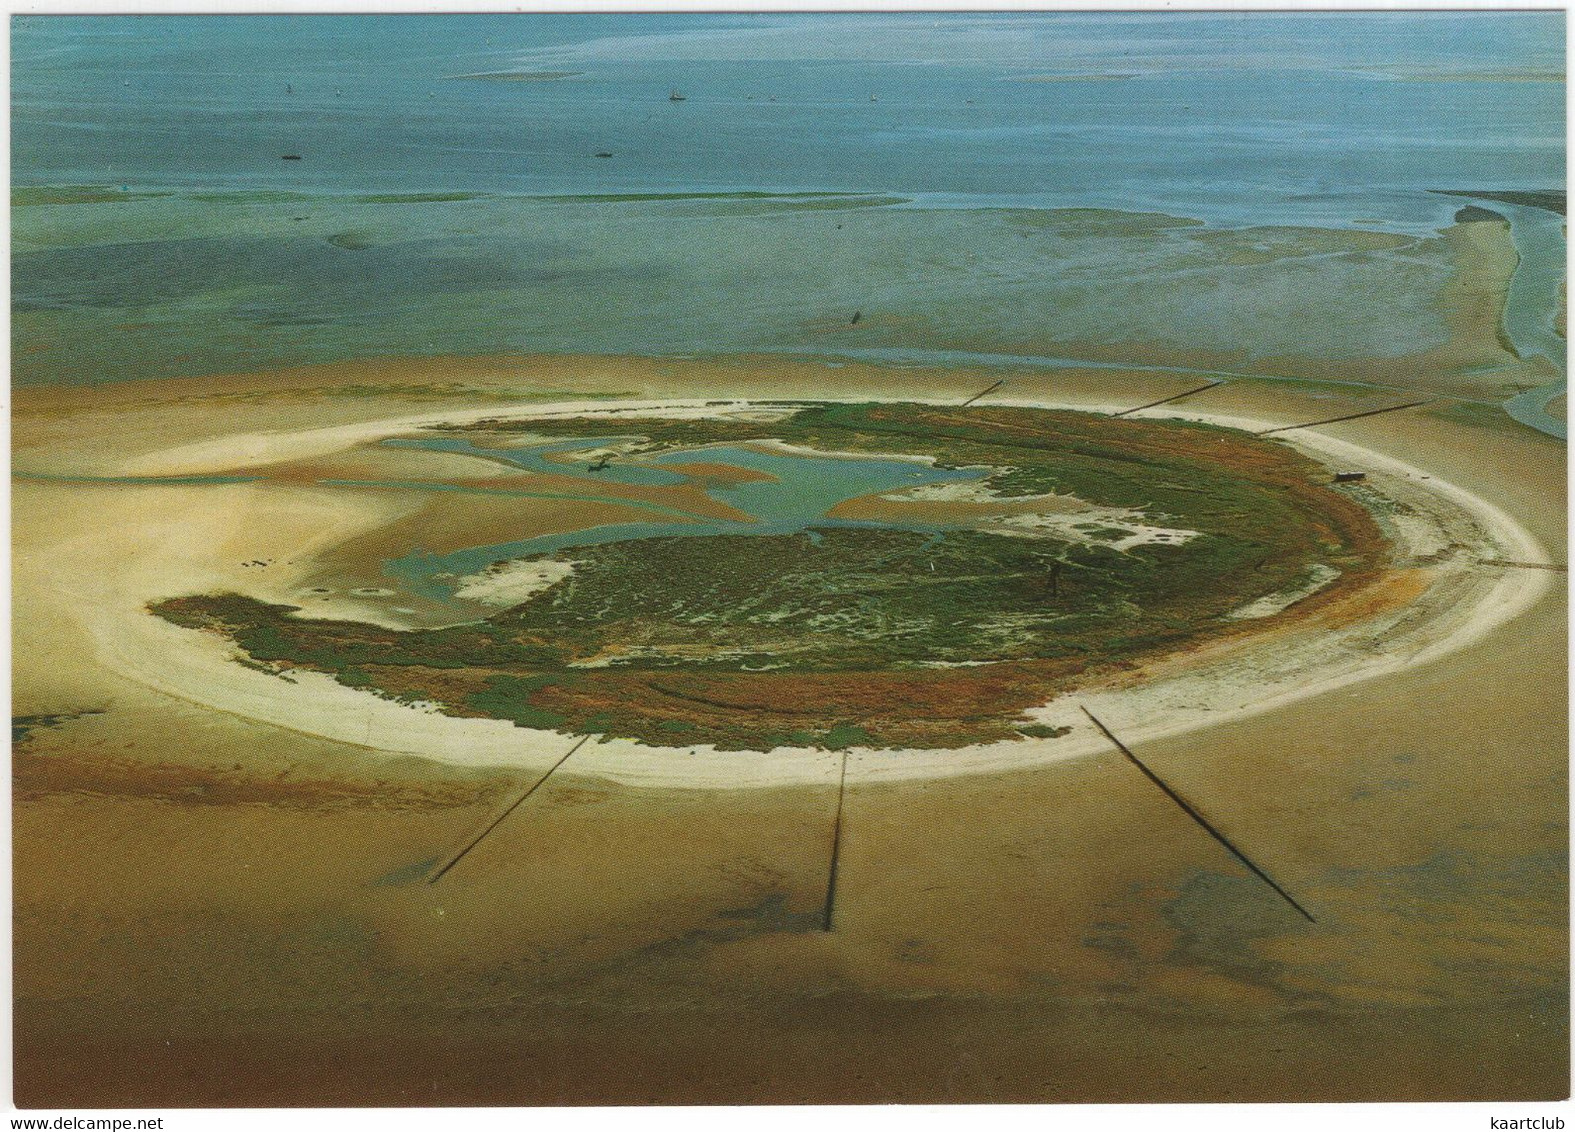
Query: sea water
x=436, y=212
x=793, y=494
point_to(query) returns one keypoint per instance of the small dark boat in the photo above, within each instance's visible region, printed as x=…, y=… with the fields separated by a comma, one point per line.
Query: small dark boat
x=1349, y=477
x=291, y=157
x=675, y=96
x=603, y=154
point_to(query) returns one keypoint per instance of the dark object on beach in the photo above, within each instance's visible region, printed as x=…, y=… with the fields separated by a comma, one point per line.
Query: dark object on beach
x=291, y=157
x=1349, y=477
x=603, y=154
x=856, y=316
x=600, y=465
x=981, y=393
x=675, y=96
x=1166, y=400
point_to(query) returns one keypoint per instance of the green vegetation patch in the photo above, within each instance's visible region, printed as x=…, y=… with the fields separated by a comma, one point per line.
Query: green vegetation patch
x=1552, y=200
x=23, y=726
x=1041, y=731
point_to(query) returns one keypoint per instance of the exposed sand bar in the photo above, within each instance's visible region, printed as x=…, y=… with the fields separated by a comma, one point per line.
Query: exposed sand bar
x=1431, y=612
x=1063, y=922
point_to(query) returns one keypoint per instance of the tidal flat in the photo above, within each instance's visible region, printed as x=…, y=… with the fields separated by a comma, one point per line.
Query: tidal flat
x=1125, y=949
x=100, y=287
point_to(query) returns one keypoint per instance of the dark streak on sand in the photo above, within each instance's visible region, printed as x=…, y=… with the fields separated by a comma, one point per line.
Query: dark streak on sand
x=1208, y=826
x=1167, y=400
x=836, y=846
x=454, y=858
x=1348, y=417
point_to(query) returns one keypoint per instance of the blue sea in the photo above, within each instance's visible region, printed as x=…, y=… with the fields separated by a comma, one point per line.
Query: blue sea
x=451, y=194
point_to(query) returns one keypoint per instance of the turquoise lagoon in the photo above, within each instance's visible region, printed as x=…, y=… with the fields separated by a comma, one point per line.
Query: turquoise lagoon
x=793, y=495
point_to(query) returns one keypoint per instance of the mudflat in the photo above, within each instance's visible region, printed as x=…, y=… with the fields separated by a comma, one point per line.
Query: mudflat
x=220, y=894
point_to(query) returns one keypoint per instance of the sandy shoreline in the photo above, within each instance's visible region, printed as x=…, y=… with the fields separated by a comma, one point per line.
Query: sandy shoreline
x=1460, y=603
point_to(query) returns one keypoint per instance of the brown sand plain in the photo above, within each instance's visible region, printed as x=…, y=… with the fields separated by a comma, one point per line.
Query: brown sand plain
x=213, y=910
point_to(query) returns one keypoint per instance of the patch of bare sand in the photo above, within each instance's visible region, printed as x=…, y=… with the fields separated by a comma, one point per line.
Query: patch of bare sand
x=511, y=583
x=723, y=474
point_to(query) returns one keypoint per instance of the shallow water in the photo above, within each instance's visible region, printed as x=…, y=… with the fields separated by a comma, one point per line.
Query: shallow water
x=1530, y=408
x=534, y=458
x=1234, y=115
x=800, y=492
x=439, y=215
x=1532, y=307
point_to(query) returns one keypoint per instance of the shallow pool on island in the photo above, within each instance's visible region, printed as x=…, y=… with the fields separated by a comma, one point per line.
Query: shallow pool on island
x=795, y=494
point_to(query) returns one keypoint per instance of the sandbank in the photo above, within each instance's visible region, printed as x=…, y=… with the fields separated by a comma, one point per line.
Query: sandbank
x=1450, y=606
x=1062, y=922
